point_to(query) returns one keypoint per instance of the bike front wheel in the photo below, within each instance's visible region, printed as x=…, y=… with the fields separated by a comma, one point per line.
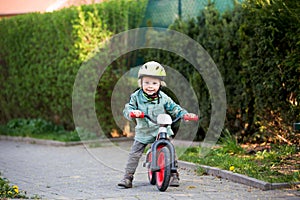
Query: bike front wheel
x=164, y=174
x=151, y=175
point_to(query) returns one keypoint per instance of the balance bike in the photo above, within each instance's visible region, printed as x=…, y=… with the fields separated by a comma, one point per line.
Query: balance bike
x=160, y=158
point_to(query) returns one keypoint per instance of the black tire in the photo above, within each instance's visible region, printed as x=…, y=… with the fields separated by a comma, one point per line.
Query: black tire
x=164, y=174
x=151, y=175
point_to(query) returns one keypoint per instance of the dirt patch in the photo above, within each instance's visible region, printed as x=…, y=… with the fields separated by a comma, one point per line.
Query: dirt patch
x=286, y=164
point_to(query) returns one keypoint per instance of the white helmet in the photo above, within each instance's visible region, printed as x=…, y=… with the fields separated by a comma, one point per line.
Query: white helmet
x=153, y=69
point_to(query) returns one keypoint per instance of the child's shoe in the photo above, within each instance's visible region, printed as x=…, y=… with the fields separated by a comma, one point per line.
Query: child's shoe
x=126, y=182
x=174, y=181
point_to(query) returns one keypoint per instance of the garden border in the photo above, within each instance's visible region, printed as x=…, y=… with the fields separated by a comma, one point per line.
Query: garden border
x=238, y=178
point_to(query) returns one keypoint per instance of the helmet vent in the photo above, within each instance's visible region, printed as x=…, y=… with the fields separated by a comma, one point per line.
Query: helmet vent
x=152, y=68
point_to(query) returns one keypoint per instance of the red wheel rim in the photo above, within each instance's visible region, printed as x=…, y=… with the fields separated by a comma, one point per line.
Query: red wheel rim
x=160, y=175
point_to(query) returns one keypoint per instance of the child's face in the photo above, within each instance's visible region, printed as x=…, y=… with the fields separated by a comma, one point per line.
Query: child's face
x=150, y=85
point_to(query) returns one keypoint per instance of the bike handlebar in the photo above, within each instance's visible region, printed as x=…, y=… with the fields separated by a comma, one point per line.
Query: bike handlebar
x=184, y=117
x=133, y=115
x=189, y=118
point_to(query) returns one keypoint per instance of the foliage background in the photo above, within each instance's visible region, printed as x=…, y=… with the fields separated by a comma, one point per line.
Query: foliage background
x=256, y=46
x=43, y=52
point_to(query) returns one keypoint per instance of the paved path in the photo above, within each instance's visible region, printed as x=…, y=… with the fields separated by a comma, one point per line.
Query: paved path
x=81, y=172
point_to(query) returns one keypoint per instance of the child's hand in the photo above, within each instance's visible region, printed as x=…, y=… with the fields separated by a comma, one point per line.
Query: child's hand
x=137, y=113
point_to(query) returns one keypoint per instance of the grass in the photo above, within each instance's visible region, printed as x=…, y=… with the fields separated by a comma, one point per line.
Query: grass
x=274, y=164
x=40, y=129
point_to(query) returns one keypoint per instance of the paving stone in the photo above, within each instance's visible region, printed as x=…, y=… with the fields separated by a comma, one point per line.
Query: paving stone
x=81, y=172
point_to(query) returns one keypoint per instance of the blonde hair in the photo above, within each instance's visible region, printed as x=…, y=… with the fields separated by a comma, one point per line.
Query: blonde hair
x=162, y=83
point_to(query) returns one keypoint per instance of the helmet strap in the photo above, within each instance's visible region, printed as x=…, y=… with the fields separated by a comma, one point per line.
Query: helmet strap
x=152, y=97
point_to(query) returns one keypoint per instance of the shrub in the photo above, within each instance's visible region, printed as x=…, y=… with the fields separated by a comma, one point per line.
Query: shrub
x=43, y=53
x=256, y=48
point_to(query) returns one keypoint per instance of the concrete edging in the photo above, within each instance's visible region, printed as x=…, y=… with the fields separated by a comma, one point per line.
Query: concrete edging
x=238, y=178
x=58, y=143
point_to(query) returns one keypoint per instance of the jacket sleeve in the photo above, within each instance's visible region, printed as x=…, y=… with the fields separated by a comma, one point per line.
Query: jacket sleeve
x=132, y=105
x=174, y=109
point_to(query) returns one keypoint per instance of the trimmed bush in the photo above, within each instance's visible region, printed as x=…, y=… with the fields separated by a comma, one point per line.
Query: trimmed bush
x=42, y=53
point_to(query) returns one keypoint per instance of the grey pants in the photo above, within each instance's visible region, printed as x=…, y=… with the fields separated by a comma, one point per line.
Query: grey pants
x=135, y=154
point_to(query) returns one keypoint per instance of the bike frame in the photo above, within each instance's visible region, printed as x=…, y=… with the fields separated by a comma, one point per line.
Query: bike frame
x=161, y=142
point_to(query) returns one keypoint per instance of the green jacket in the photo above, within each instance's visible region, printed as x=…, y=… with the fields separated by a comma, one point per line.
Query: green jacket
x=145, y=130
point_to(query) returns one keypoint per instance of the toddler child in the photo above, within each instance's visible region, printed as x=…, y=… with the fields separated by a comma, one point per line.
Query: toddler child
x=152, y=101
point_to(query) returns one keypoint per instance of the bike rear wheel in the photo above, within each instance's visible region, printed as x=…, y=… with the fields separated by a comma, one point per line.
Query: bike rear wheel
x=164, y=174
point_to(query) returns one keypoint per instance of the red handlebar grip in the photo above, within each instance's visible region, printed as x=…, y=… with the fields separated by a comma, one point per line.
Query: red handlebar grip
x=133, y=115
x=189, y=118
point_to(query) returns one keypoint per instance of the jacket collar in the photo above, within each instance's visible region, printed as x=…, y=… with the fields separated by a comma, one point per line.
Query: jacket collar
x=146, y=99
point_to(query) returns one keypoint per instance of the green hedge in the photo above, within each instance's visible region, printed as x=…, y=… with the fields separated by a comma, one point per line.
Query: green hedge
x=256, y=48
x=40, y=56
